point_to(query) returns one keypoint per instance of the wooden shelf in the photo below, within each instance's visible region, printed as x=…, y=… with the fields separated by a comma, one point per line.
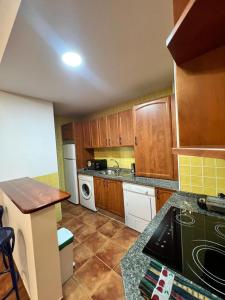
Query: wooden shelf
x=201, y=151
x=200, y=28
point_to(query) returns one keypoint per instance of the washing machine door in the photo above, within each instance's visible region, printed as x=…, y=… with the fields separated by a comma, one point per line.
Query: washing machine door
x=86, y=190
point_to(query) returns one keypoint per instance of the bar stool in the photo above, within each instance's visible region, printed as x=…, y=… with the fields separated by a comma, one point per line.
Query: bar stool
x=3, y=256
x=7, y=242
x=1, y=214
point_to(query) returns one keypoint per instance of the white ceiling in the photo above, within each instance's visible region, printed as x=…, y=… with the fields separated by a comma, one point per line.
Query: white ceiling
x=122, y=43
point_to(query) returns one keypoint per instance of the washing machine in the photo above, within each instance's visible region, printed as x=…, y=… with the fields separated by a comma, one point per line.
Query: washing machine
x=86, y=188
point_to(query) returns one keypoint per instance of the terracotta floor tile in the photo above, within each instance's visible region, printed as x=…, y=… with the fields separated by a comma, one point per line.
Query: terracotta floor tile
x=73, y=224
x=75, y=243
x=72, y=290
x=110, y=289
x=125, y=237
x=117, y=269
x=95, y=241
x=81, y=254
x=111, y=254
x=66, y=216
x=94, y=219
x=110, y=228
x=92, y=274
x=77, y=210
x=84, y=232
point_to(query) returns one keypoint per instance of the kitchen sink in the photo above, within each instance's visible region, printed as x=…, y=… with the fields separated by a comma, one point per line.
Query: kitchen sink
x=111, y=172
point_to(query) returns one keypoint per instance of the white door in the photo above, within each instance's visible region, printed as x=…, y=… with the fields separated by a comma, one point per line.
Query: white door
x=71, y=183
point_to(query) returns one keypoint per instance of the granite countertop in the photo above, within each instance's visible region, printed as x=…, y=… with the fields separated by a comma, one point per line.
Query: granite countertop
x=154, y=182
x=134, y=264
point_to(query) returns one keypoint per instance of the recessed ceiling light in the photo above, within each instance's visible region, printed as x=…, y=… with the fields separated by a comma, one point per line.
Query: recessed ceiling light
x=71, y=59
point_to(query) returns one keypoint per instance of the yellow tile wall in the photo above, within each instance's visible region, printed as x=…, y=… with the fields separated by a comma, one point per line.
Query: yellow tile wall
x=124, y=156
x=202, y=175
x=53, y=181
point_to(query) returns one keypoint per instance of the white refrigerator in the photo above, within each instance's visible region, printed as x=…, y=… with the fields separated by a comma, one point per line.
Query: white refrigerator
x=70, y=172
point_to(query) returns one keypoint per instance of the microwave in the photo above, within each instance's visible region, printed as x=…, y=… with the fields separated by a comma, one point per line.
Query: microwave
x=97, y=164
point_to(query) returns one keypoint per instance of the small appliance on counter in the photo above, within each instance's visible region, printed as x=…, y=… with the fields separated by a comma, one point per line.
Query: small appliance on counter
x=216, y=204
x=133, y=168
x=97, y=164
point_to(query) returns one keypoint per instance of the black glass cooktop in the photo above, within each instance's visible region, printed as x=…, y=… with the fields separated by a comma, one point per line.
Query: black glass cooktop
x=192, y=244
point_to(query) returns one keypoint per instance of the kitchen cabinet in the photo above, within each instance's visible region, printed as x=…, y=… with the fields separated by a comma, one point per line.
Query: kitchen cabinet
x=115, y=202
x=102, y=132
x=200, y=78
x=100, y=192
x=86, y=133
x=153, y=139
x=94, y=131
x=73, y=132
x=67, y=132
x=199, y=29
x=109, y=131
x=126, y=130
x=113, y=130
x=109, y=195
x=162, y=195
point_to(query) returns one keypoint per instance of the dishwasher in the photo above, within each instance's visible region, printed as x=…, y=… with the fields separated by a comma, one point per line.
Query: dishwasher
x=139, y=205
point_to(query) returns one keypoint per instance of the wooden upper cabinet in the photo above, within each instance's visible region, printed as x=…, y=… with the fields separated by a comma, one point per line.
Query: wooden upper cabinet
x=153, y=139
x=113, y=130
x=199, y=29
x=126, y=129
x=102, y=132
x=94, y=133
x=86, y=134
x=67, y=132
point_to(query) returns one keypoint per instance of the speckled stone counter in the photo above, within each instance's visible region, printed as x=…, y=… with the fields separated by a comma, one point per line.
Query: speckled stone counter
x=154, y=182
x=135, y=263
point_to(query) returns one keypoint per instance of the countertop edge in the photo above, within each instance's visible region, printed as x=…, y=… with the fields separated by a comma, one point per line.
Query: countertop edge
x=38, y=207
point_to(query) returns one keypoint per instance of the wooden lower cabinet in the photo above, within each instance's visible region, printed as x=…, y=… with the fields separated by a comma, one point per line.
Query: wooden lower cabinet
x=109, y=195
x=162, y=195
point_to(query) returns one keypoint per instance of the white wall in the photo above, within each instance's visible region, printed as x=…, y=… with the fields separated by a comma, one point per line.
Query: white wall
x=27, y=137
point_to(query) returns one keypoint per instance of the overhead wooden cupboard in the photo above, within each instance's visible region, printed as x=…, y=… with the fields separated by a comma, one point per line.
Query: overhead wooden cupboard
x=197, y=44
x=115, y=130
x=153, y=137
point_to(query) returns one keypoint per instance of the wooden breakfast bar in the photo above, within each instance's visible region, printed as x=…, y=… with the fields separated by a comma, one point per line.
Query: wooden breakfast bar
x=29, y=208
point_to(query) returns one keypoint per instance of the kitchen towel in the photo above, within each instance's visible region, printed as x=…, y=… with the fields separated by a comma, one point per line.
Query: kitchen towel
x=181, y=289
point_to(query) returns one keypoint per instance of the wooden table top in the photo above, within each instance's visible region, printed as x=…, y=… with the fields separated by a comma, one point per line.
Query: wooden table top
x=30, y=195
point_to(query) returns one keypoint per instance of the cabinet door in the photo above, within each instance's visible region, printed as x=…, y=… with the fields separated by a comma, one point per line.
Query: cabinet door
x=86, y=134
x=126, y=129
x=113, y=130
x=153, y=139
x=94, y=133
x=115, y=203
x=100, y=188
x=162, y=195
x=82, y=154
x=102, y=132
x=67, y=132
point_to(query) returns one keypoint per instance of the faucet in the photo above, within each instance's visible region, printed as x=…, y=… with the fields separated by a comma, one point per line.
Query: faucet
x=117, y=165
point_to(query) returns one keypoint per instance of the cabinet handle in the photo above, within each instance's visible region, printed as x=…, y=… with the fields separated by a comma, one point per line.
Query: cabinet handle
x=109, y=142
x=106, y=142
x=135, y=140
x=120, y=140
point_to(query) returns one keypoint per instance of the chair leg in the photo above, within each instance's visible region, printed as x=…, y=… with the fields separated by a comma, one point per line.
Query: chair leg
x=13, y=276
x=4, y=261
